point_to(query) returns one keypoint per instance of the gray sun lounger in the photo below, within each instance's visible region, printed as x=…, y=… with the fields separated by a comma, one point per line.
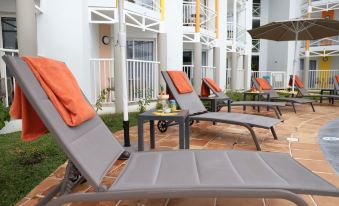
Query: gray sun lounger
x=274, y=96
x=92, y=150
x=198, y=112
x=304, y=93
x=272, y=105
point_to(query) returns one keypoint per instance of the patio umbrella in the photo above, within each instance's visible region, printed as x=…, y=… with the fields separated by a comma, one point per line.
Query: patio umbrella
x=295, y=30
x=122, y=45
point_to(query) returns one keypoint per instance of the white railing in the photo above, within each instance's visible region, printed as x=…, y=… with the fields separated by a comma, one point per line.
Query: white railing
x=329, y=41
x=206, y=71
x=255, y=45
x=152, y=5
x=102, y=78
x=142, y=79
x=240, y=33
x=277, y=79
x=321, y=79
x=240, y=76
x=256, y=10
x=207, y=15
x=7, y=84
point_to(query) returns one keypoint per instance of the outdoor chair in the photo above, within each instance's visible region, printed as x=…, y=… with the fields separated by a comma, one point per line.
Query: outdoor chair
x=274, y=96
x=336, y=84
x=197, y=112
x=302, y=91
x=272, y=105
x=92, y=150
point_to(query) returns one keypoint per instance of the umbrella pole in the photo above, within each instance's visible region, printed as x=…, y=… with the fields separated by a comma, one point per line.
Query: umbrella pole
x=122, y=45
x=295, y=61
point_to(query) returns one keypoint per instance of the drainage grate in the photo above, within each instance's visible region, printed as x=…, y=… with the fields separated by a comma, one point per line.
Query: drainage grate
x=331, y=138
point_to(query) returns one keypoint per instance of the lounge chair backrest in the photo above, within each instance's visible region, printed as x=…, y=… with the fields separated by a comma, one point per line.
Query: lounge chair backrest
x=90, y=146
x=188, y=101
x=218, y=94
x=302, y=91
x=336, y=85
x=272, y=92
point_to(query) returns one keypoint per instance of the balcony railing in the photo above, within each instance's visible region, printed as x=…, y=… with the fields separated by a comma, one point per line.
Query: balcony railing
x=7, y=83
x=207, y=15
x=329, y=41
x=277, y=79
x=255, y=45
x=207, y=71
x=149, y=4
x=321, y=79
x=256, y=10
x=142, y=79
x=240, y=33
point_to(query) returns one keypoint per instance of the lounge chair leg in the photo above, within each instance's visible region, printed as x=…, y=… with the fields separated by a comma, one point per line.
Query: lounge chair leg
x=279, y=111
x=254, y=137
x=295, y=111
x=312, y=107
x=273, y=133
x=276, y=112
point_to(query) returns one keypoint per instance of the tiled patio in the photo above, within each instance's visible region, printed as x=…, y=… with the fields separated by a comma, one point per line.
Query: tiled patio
x=304, y=125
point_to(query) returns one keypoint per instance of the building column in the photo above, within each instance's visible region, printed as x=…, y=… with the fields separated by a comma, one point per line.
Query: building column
x=306, y=70
x=162, y=55
x=26, y=27
x=216, y=64
x=234, y=70
x=247, y=73
x=117, y=70
x=197, y=66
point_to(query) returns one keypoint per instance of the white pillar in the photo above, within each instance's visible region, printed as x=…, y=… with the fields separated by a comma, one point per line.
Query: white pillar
x=216, y=64
x=234, y=40
x=162, y=55
x=306, y=70
x=247, y=73
x=26, y=27
x=197, y=66
x=234, y=70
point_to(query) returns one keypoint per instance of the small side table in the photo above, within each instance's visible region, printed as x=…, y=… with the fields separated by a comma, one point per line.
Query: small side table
x=181, y=118
x=331, y=91
x=214, y=100
x=259, y=95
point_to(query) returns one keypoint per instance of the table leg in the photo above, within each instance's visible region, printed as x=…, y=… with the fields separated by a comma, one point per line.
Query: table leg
x=181, y=133
x=152, y=135
x=268, y=100
x=140, y=134
x=229, y=102
x=259, y=99
x=187, y=133
x=321, y=98
x=244, y=107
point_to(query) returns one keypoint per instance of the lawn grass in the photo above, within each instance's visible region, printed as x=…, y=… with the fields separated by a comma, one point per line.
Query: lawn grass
x=23, y=165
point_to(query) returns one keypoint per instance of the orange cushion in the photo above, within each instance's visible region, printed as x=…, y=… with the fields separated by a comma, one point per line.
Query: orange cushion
x=180, y=82
x=212, y=84
x=297, y=82
x=337, y=77
x=263, y=83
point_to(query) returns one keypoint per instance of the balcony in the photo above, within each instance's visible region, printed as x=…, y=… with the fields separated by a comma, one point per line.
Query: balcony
x=207, y=22
x=239, y=38
x=327, y=46
x=255, y=46
x=317, y=6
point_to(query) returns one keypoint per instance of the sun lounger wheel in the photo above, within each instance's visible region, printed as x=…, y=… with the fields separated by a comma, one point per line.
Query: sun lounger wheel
x=162, y=126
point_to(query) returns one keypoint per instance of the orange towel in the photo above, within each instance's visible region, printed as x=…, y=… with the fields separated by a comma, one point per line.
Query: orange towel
x=205, y=90
x=297, y=82
x=337, y=78
x=63, y=91
x=180, y=82
x=263, y=83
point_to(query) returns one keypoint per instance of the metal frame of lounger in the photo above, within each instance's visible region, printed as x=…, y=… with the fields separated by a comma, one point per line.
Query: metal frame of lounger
x=92, y=150
x=304, y=93
x=198, y=112
x=336, y=85
x=274, y=96
x=272, y=105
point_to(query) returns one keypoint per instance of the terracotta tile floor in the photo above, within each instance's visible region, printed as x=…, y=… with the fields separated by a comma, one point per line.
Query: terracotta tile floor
x=304, y=125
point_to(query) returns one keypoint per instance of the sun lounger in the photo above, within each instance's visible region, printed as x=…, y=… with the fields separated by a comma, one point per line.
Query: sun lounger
x=274, y=96
x=336, y=84
x=190, y=101
x=304, y=93
x=272, y=105
x=92, y=150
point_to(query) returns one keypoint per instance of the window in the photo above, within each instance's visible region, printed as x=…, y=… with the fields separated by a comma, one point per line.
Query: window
x=204, y=58
x=9, y=33
x=140, y=50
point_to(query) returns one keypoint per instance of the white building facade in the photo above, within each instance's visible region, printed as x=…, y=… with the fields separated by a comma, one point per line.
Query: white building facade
x=200, y=37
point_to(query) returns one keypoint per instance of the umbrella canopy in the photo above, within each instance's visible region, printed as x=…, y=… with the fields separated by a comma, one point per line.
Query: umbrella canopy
x=298, y=29
x=305, y=29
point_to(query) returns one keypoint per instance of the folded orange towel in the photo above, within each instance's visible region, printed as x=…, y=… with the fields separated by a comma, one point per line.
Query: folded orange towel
x=205, y=90
x=297, y=82
x=337, y=77
x=63, y=91
x=180, y=82
x=263, y=83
